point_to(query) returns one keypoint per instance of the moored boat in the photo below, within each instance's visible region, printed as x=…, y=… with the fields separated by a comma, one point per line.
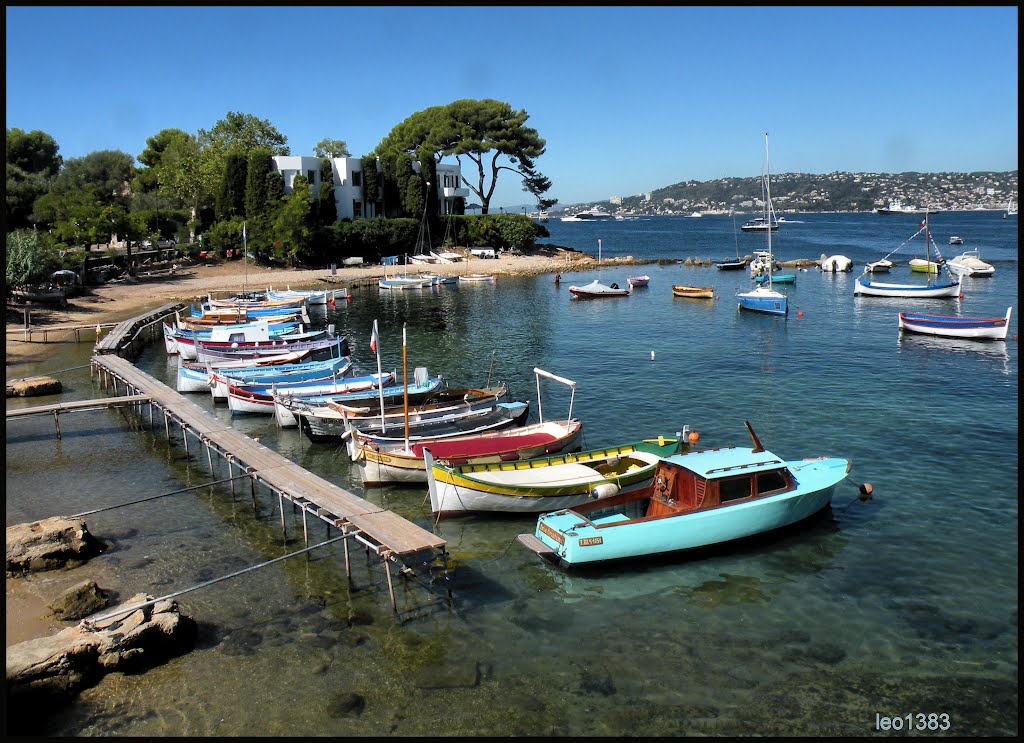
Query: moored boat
x=476, y=278
x=544, y=483
x=934, y=288
x=595, y=289
x=635, y=281
x=693, y=292
x=403, y=462
x=764, y=298
x=969, y=263
x=696, y=499
x=259, y=398
x=329, y=422
x=395, y=463
x=947, y=326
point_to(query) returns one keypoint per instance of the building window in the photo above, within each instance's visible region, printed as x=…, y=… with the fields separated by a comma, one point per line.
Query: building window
x=357, y=177
x=311, y=176
x=357, y=209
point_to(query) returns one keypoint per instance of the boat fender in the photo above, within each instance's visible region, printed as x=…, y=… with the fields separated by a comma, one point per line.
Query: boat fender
x=604, y=490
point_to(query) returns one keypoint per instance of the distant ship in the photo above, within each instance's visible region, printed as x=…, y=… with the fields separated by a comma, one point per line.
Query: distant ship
x=896, y=207
x=590, y=215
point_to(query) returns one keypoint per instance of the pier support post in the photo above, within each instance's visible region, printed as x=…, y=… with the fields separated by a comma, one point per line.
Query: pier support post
x=391, y=587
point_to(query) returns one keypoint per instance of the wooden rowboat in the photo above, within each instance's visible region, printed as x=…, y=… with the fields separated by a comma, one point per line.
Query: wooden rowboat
x=693, y=292
x=976, y=328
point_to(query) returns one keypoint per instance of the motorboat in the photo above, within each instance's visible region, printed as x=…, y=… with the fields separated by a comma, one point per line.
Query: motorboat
x=696, y=499
x=969, y=263
x=835, y=264
x=956, y=240
x=596, y=289
x=896, y=206
x=883, y=265
x=589, y=215
x=759, y=224
x=635, y=281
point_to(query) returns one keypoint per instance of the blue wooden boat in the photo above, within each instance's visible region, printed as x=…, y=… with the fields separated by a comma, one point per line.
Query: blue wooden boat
x=951, y=326
x=218, y=380
x=696, y=499
x=285, y=407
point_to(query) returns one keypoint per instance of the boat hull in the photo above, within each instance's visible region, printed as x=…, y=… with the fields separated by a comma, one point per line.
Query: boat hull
x=693, y=292
x=384, y=465
x=610, y=539
x=543, y=484
x=975, y=328
x=764, y=300
x=926, y=291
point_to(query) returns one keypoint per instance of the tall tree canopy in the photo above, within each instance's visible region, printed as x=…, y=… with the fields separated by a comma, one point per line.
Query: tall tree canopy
x=147, y=178
x=331, y=148
x=243, y=133
x=32, y=162
x=484, y=131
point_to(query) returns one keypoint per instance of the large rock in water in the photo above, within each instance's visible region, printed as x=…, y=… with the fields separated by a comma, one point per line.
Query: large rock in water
x=50, y=670
x=33, y=386
x=49, y=544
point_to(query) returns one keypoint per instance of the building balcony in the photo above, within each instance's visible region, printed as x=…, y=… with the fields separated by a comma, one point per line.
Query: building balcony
x=455, y=193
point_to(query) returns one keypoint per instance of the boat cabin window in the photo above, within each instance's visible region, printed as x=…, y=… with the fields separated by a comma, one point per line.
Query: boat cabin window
x=771, y=482
x=236, y=337
x=734, y=488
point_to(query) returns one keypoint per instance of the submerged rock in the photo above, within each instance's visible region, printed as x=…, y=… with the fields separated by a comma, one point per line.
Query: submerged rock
x=33, y=387
x=49, y=544
x=50, y=670
x=79, y=601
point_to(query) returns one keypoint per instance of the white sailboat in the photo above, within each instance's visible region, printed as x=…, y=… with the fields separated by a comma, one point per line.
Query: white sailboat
x=765, y=298
x=930, y=290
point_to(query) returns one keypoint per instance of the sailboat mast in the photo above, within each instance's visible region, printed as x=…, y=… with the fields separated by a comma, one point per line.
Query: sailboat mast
x=768, y=192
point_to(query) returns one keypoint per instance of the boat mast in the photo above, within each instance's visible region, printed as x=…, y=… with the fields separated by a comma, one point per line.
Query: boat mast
x=768, y=208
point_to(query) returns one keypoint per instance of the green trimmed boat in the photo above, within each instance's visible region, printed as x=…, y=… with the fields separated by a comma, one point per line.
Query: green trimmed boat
x=544, y=483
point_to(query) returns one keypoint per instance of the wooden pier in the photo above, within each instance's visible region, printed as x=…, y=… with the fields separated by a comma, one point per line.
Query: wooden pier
x=126, y=336
x=388, y=535
x=56, y=409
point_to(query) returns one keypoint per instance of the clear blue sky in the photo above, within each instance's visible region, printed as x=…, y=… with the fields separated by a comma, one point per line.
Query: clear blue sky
x=629, y=99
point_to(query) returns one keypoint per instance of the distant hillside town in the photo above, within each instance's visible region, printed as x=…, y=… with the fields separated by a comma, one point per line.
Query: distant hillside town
x=831, y=192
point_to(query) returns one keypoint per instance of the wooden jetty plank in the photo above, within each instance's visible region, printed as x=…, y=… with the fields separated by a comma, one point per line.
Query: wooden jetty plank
x=67, y=407
x=116, y=338
x=397, y=534
x=390, y=530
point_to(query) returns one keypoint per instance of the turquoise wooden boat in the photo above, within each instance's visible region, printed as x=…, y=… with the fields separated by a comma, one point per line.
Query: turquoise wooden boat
x=697, y=498
x=778, y=278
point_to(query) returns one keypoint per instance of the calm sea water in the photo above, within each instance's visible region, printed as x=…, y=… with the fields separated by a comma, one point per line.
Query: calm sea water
x=902, y=605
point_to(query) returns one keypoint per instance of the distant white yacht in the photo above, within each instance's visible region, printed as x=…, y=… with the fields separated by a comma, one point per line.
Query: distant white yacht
x=589, y=215
x=896, y=206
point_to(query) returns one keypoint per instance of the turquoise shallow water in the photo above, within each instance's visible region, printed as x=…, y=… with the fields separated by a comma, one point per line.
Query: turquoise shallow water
x=901, y=605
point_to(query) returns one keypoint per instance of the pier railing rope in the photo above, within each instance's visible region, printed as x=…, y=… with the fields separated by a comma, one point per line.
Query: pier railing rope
x=90, y=622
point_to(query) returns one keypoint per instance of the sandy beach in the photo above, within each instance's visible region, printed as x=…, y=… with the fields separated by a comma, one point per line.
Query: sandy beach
x=118, y=301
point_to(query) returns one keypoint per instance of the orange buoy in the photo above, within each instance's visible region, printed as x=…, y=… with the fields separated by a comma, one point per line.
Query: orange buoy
x=693, y=437
x=799, y=313
x=865, y=491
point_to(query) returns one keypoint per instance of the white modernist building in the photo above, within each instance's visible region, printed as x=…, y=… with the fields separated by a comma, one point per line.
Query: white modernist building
x=348, y=183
